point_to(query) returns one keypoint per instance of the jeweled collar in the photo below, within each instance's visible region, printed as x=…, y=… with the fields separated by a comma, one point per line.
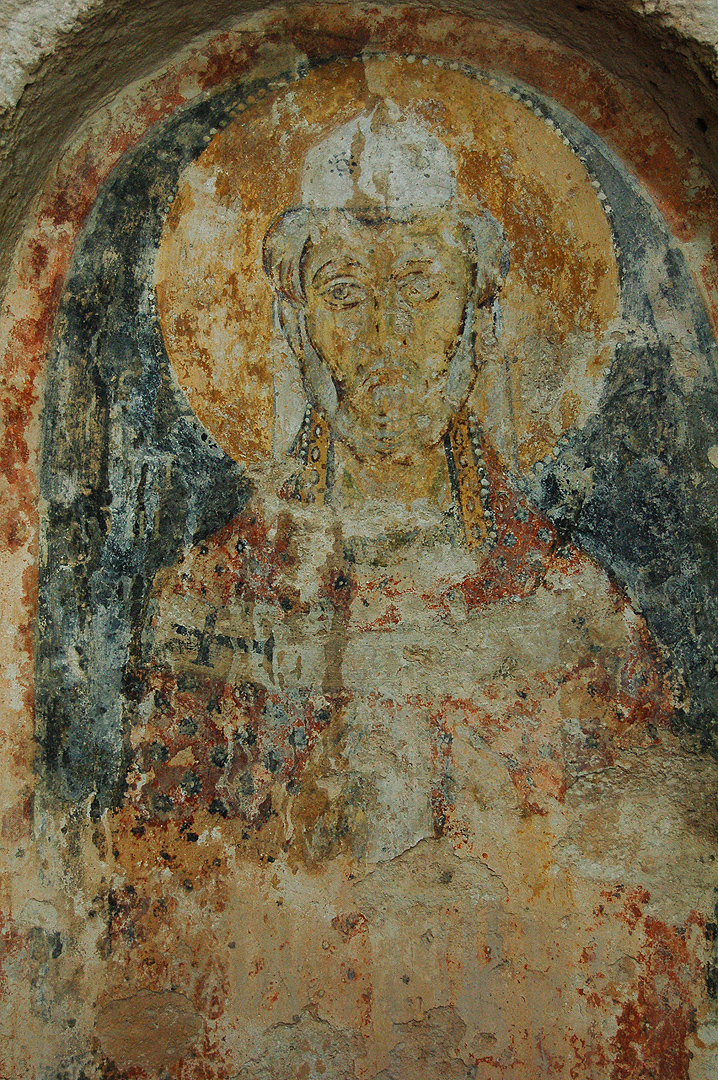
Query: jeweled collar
x=469, y=475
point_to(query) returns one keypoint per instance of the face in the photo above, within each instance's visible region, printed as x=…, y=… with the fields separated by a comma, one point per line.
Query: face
x=385, y=311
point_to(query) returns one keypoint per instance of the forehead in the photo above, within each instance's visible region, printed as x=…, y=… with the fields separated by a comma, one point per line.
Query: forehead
x=432, y=237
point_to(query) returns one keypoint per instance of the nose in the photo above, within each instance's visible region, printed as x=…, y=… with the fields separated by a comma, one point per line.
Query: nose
x=389, y=335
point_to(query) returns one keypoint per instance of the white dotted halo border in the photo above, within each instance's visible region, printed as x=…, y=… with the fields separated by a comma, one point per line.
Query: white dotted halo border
x=253, y=92
x=511, y=88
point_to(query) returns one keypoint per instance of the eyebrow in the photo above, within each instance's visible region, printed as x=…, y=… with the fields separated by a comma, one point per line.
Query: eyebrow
x=334, y=266
x=412, y=265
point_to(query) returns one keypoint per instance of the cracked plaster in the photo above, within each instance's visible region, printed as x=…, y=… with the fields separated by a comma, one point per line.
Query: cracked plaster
x=101, y=48
x=60, y=61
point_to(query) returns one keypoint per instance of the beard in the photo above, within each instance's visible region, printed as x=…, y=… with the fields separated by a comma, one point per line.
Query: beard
x=385, y=415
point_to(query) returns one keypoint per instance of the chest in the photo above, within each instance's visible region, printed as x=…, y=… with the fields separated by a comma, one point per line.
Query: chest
x=365, y=699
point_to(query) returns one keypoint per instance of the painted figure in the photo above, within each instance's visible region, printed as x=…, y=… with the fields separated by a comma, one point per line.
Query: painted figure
x=389, y=664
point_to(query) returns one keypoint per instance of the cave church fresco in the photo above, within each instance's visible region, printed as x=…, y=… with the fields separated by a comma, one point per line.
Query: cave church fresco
x=395, y=372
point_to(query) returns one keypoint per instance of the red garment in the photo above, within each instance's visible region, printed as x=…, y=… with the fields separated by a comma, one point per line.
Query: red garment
x=449, y=759
x=253, y=725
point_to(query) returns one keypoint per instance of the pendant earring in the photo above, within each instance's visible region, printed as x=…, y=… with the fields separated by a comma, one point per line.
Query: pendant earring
x=313, y=451
x=469, y=480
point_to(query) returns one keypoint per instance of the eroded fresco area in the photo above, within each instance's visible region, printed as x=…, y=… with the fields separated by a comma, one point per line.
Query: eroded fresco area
x=374, y=642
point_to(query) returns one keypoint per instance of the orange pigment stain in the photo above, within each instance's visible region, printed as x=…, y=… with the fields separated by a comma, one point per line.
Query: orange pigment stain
x=653, y=1028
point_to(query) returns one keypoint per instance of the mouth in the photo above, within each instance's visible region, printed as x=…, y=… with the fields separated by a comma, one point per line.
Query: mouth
x=383, y=382
x=393, y=399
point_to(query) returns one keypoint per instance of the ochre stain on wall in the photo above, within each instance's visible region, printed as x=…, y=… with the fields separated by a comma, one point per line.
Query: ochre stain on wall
x=562, y=291
x=402, y=789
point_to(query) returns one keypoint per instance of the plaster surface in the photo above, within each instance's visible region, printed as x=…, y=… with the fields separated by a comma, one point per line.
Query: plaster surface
x=314, y=766
x=60, y=60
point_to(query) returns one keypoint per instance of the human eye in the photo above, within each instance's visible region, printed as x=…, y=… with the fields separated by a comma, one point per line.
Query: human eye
x=418, y=288
x=342, y=293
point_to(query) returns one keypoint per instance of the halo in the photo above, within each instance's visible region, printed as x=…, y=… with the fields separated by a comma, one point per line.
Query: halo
x=558, y=306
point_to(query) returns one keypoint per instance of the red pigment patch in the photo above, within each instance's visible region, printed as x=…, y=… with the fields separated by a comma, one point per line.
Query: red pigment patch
x=17, y=819
x=654, y=1024
x=350, y=925
x=11, y=945
x=268, y=731
x=350, y=40
x=225, y=60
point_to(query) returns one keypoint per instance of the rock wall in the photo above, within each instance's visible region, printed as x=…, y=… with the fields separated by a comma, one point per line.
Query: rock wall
x=359, y=521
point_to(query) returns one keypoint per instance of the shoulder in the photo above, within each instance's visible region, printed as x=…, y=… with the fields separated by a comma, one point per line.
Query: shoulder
x=621, y=668
x=588, y=629
x=269, y=553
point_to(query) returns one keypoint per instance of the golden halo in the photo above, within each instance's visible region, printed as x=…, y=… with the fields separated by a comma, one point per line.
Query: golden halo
x=559, y=300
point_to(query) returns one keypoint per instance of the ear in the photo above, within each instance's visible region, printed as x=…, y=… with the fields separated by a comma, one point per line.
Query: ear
x=462, y=368
x=282, y=251
x=318, y=381
x=487, y=332
x=491, y=255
